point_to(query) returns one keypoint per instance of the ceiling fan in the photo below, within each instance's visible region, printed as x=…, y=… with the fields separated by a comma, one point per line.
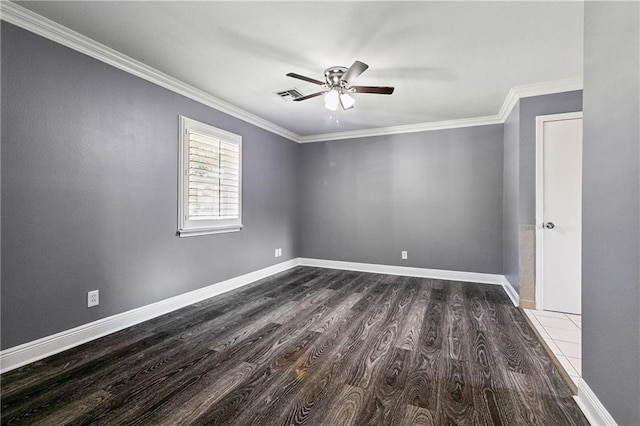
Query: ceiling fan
x=338, y=85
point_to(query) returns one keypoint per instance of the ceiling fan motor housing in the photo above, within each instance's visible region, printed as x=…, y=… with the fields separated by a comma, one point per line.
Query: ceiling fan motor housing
x=333, y=76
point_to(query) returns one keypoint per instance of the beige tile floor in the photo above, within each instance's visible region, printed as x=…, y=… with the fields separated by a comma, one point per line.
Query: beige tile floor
x=563, y=334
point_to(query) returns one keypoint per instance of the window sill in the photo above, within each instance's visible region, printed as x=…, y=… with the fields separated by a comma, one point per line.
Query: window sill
x=208, y=231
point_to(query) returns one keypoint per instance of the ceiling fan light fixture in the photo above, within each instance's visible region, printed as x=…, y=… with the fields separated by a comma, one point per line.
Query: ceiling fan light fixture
x=331, y=100
x=347, y=101
x=338, y=86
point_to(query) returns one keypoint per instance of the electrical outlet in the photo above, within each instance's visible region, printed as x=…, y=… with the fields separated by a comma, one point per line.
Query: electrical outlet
x=93, y=298
x=404, y=255
x=278, y=252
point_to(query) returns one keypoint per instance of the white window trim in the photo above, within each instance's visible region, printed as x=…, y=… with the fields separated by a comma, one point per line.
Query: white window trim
x=187, y=228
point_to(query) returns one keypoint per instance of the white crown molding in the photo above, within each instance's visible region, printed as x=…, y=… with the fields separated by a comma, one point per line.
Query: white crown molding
x=406, y=271
x=29, y=352
x=537, y=89
x=591, y=406
x=507, y=106
x=51, y=30
x=30, y=21
x=409, y=128
x=548, y=87
x=513, y=96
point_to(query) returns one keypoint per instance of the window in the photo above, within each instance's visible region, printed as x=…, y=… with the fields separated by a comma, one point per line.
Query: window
x=210, y=193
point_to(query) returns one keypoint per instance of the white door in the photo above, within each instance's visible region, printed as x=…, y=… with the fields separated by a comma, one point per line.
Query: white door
x=559, y=212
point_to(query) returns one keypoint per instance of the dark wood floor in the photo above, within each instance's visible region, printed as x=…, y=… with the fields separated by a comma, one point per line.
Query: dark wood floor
x=308, y=346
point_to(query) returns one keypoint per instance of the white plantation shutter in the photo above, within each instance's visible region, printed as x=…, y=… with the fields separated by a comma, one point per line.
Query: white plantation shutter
x=210, y=199
x=229, y=179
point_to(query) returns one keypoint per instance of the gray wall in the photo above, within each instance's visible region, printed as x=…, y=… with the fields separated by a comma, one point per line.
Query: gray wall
x=556, y=103
x=89, y=192
x=611, y=208
x=436, y=194
x=510, y=200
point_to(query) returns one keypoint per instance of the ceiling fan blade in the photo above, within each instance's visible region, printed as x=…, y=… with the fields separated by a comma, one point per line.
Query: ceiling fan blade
x=380, y=90
x=354, y=71
x=302, y=77
x=305, y=97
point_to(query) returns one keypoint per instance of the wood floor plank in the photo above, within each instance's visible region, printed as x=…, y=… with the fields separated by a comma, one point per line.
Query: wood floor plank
x=60, y=389
x=312, y=374
x=388, y=386
x=338, y=282
x=137, y=396
x=455, y=324
x=310, y=346
x=323, y=367
x=72, y=411
x=485, y=374
x=416, y=416
x=200, y=325
x=194, y=403
x=226, y=410
x=162, y=385
x=281, y=392
x=346, y=407
x=410, y=333
x=455, y=394
x=346, y=367
x=379, y=331
x=323, y=278
x=70, y=361
x=421, y=387
x=337, y=313
x=128, y=380
x=266, y=314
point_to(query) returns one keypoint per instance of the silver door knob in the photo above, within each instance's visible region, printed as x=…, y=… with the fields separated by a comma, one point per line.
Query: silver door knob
x=549, y=225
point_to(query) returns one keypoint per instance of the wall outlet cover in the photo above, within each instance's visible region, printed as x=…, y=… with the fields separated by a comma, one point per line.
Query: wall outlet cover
x=404, y=255
x=93, y=298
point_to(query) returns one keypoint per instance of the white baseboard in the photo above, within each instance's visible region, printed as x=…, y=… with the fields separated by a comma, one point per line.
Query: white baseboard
x=511, y=292
x=38, y=349
x=33, y=351
x=440, y=274
x=591, y=406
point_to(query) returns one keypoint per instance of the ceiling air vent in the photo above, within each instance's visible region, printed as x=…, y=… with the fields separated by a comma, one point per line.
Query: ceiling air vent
x=289, y=95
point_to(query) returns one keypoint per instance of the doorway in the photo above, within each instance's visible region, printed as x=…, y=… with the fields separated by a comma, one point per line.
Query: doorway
x=559, y=212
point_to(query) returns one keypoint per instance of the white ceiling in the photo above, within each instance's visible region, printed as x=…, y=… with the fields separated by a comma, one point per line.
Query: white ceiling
x=447, y=60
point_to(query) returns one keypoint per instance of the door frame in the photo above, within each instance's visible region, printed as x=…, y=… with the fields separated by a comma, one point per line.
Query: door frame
x=540, y=121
